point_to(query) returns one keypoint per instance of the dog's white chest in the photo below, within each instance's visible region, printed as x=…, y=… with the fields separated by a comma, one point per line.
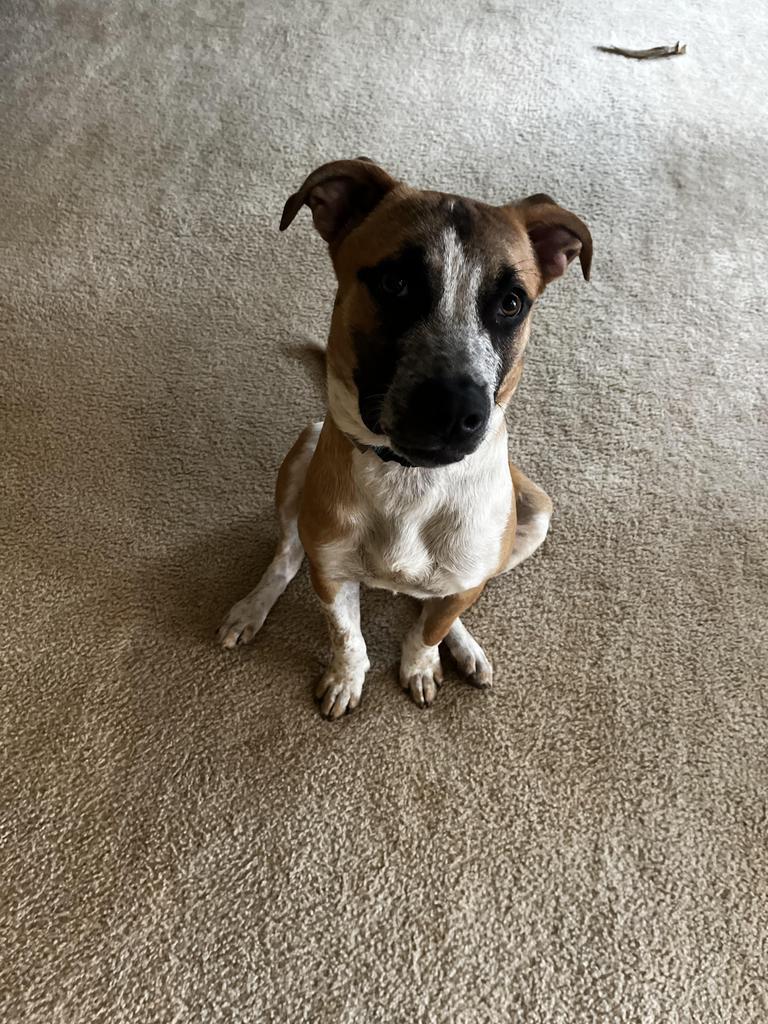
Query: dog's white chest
x=428, y=533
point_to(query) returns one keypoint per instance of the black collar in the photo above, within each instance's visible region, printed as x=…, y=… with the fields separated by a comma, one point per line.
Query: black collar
x=385, y=454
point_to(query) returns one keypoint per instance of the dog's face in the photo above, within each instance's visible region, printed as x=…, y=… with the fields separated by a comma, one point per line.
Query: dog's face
x=433, y=308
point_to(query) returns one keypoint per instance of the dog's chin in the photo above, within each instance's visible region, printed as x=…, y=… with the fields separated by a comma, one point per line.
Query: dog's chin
x=429, y=458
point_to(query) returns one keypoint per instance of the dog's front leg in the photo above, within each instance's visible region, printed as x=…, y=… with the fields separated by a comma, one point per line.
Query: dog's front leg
x=340, y=688
x=421, y=671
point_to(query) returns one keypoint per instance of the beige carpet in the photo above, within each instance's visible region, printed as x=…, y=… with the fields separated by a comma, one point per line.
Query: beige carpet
x=183, y=838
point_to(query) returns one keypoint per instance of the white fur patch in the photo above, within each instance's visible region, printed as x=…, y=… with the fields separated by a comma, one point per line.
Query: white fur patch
x=469, y=656
x=457, y=311
x=343, y=402
x=455, y=270
x=421, y=672
x=340, y=688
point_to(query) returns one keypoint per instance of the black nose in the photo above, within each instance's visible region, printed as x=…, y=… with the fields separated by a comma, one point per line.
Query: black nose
x=445, y=411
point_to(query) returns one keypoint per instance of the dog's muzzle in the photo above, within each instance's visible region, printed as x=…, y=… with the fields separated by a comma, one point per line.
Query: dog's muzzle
x=441, y=420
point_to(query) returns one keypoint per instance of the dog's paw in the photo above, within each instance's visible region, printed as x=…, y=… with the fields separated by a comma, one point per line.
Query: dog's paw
x=243, y=622
x=340, y=690
x=470, y=658
x=421, y=673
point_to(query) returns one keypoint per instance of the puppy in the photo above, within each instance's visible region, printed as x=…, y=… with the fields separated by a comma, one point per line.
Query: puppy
x=407, y=484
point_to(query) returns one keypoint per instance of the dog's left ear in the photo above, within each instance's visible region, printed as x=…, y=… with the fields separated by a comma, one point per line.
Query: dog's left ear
x=557, y=236
x=340, y=195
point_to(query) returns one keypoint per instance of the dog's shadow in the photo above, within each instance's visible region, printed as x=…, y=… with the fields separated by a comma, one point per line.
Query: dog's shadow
x=189, y=592
x=185, y=597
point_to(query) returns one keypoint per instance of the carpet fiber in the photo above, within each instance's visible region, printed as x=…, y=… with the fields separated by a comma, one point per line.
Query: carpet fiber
x=183, y=838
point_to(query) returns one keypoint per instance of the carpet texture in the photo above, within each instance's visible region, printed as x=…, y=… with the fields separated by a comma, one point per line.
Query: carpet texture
x=183, y=838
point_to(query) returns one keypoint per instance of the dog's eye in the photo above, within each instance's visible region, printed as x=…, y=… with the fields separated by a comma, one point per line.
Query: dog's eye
x=511, y=304
x=393, y=284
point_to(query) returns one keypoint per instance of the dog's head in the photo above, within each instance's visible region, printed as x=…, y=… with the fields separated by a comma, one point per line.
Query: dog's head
x=433, y=306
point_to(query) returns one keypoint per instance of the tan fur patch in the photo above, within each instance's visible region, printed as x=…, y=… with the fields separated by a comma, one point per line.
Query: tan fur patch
x=442, y=612
x=529, y=501
x=329, y=500
x=508, y=540
x=510, y=382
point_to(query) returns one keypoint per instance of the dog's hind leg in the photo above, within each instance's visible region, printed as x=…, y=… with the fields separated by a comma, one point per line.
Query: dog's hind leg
x=534, y=512
x=247, y=617
x=471, y=660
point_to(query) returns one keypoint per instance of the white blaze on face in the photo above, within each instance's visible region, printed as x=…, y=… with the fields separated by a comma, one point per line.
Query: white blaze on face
x=467, y=342
x=459, y=280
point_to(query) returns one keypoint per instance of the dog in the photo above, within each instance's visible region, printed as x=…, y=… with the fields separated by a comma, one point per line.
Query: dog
x=407, y=484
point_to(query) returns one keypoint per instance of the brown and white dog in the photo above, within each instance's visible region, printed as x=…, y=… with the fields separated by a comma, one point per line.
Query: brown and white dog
x=407, y=484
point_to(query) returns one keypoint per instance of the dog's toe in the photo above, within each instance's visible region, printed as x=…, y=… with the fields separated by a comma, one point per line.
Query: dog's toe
x=482, y=680
x=471, y=661
x=232, y=634
x=241, y=625
x=423, y=678
x=337, y=695
x=423, y=689
x=476, y=669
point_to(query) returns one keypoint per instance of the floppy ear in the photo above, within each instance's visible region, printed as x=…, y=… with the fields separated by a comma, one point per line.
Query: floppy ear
x=557, y=236
x=340, y=195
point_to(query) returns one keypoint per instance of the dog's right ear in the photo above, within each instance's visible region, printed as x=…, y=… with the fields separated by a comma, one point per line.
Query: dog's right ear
x=340, y=195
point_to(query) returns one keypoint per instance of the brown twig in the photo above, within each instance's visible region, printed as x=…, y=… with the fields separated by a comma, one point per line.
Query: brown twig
x=653, y=54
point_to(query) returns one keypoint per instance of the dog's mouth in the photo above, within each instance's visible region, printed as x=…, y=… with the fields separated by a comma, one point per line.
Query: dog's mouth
x=428, y=458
